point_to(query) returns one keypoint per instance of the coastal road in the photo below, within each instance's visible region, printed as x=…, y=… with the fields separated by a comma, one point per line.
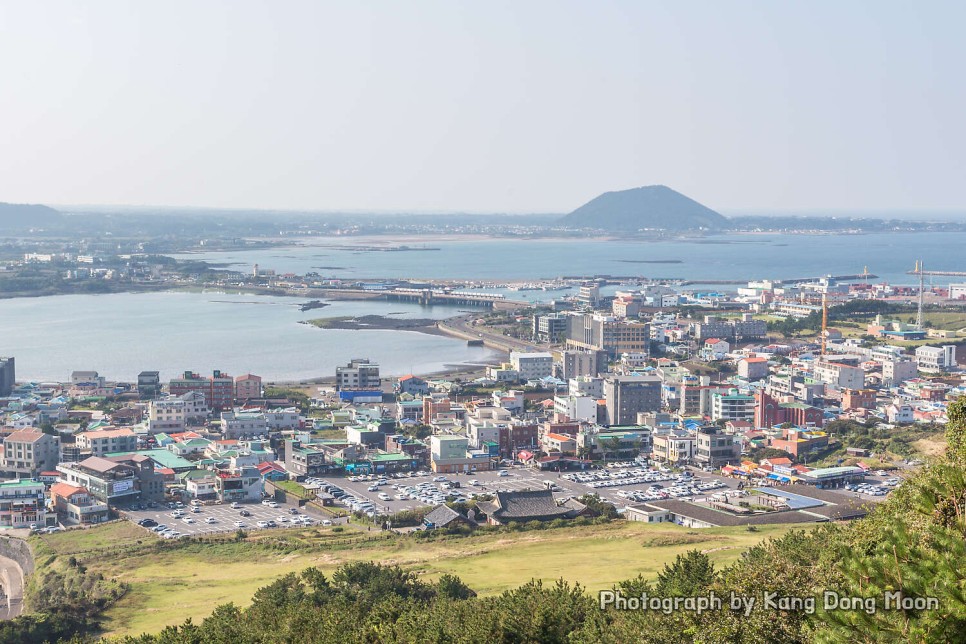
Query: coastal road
x=11, y=578
x=462, y=327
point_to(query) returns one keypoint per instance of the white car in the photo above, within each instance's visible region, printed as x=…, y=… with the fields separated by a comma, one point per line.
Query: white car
x=262, y=524
x=503, y=473
x=272, y=504
x=210, y=520
x=239, y=524
x=188, y=520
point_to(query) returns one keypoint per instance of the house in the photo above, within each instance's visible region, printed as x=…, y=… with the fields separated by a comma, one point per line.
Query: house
x=528, y=505
x=271, y=471
x=74, y=504
x=412, y=385
x=445, y=517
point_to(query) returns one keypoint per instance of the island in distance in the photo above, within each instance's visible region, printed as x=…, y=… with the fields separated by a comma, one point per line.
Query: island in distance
x=655, y=207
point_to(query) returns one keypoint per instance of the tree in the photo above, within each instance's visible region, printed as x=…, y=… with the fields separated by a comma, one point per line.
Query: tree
x=690, y=575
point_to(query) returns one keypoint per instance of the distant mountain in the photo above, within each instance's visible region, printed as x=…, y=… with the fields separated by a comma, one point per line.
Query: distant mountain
x=14, y=216
x=646, y=207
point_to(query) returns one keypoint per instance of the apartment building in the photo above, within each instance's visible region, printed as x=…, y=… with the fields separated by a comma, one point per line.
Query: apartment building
x=744, y=328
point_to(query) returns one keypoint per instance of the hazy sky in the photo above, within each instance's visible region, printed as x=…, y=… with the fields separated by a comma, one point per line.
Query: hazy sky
x=483, y=106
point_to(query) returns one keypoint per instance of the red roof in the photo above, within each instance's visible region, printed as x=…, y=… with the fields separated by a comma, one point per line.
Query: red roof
x=65, y=490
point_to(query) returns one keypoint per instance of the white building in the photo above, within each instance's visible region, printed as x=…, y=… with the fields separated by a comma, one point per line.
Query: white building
x=586, y=386
x=577, y=408
x=935, y=359
x=166, y=415
x=238, y=424
x=22, y=503
x=839, y=375
x=532, y=366
x=957, y=291
x=279, y=419
x=898, y=370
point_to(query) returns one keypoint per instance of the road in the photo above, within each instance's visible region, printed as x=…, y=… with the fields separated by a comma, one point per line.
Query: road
x=11, y=577
x=461, y=327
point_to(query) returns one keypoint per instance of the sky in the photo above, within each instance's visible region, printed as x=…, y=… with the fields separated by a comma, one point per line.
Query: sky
x=518, y=106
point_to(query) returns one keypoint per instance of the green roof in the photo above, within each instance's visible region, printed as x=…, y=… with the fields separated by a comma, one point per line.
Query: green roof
x=162, y=457
x=390, y=457
x=20, y=483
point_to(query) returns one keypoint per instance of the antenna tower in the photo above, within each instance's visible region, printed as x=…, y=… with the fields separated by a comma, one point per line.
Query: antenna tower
x=921, y=290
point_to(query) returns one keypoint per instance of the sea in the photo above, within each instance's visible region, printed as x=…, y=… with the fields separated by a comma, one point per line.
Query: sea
x=119, y=335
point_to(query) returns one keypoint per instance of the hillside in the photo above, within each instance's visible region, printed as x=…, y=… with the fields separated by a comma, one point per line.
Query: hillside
x=23, y=216
x=656, y=207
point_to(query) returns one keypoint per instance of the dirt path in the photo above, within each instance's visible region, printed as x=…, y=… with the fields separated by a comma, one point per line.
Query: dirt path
x=11, y=577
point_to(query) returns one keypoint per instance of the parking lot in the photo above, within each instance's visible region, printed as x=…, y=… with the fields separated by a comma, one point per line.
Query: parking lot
x=212, y=519
x=611, y=484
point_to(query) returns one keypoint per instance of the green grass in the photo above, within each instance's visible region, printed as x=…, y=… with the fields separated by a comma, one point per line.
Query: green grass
x=170, y=585
x=110, y=535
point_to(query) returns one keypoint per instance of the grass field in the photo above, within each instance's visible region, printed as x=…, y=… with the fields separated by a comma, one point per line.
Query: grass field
x=169, y=586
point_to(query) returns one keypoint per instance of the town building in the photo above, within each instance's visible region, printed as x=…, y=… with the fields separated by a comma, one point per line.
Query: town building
x=626, y=396
x=106, y=441
x=800, y=442
x=549, y=328
x=533, y=365
x=936, y=359
x=596, y=332
x=575, y=363
x=304, y=459
x=576, y=408
x=116, y=479
x=28, y=452
x=754, y=368
x=840, y=375
x=8, y=375
x=74, y=505
x=166, y=416
x=745, y=328
x=247, y=387
x=853, y=399
x=412, y=385
x=149, y=385
x=218, y=390
x=714, y=448
x=22, y=504
x=674, y=446
x=895, y=371
x=359, y=374
x=243, y=424
x=732, y=406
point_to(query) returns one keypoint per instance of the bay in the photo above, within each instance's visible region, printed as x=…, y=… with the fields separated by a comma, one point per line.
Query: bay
x=119, y=335
x=714, y=257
